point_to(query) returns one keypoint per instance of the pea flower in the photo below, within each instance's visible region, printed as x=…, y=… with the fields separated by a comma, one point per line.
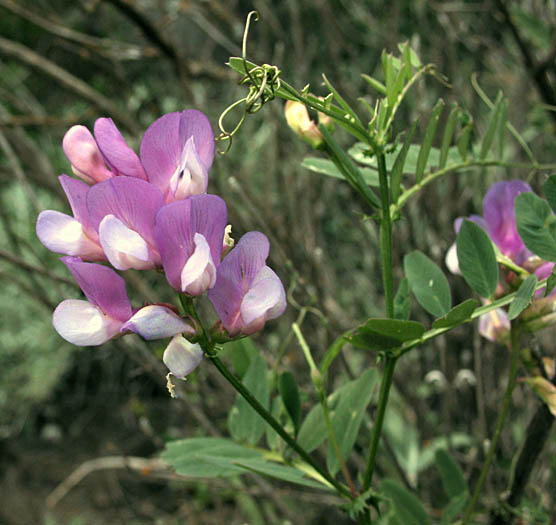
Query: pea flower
x=123, y=211
x=190, y=236
x=177, y=153
x=107, y=312
x=75, y=235
x=247, y=293
x=182, y=357
x=499, y=222
x=99, y=158
x=299, y=121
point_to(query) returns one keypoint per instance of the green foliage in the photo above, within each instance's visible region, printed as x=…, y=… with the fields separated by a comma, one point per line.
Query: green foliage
x=451, y=474
x=314, y=432
x=523, y=297
x=428, y=283
x=477, y=259
x=290, y=397
x=244, y=423
x=549, y=188
x=382, y=334
x=402, y=305
x=406, y=507
x=457, y=315
x=348, y=415
x=536, y=225
x=426, y=146
x=327, y=167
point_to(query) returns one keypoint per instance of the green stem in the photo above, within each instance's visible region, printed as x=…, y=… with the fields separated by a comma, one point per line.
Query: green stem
x=385, y=385
x=407, y=194
x=499, y=423
x=385, y=236
x=334, y=441
x=263, y=412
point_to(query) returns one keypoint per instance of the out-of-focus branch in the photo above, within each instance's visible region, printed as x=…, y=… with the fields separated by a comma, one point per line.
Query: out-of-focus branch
x=19, y=261
x=538, y=71
x=28, y=56
x=536, y=436
x=153, y=35
x=105, y=46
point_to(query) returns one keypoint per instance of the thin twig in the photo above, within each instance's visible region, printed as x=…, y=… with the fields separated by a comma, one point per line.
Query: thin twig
x=71, y=82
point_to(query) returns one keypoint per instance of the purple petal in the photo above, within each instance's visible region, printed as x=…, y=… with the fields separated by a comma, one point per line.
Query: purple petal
x=132, y=201
x=84, y=155
x=76, y=192
x=157, y=322
x=477, y=219
x=182, y=357
x=83, y=323
x=119, y=156
x=102, y=286
x=266, y=299
x=494, y=325
x=176, y=226
x=190, y=177
x=499, y=214
x=164, y=142
x=61, y=233
x=235, y=277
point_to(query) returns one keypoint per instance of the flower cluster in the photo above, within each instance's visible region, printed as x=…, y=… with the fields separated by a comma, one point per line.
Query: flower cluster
x=152, y=212
x=498, y=221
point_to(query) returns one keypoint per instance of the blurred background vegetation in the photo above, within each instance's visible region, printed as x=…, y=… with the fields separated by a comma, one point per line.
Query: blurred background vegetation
x=68, y=62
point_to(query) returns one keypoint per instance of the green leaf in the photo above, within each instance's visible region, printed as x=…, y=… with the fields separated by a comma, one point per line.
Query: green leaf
x=464, y=140
x=313, y=430
x=397, y=168
x=451, y=474
x=551, y=282
x=549, y=188
x=327, y=167
x=396, y=329
x=536, y=225
x=193, y=457
x=375, y=84
x=492, y=126
x=275, y=470
x=430, y=133
x=273, y=440
x=345, y=106
x=244, y=423
x=428, y=283
x=348, y=168
x=407, y=507
x=457, y=315
x=385, y=334
x=477, y=259
x=402, y=306
x=333, y=350
x=523, y=297
x=448, y=135
x=348, y=416
x=362, y=154
x=241, y=352
x=290, y=396
x=455, y=506
x=404, y=47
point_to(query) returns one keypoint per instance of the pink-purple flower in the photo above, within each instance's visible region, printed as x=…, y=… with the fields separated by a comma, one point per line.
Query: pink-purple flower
x=151, y=211
x=247, y=293
x=498, y=220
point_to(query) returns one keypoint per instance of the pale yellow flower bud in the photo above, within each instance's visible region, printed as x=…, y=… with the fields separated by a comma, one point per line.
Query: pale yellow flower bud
x=299, y=121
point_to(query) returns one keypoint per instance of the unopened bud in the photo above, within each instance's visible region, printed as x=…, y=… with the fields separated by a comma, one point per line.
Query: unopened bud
x=299, y=121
